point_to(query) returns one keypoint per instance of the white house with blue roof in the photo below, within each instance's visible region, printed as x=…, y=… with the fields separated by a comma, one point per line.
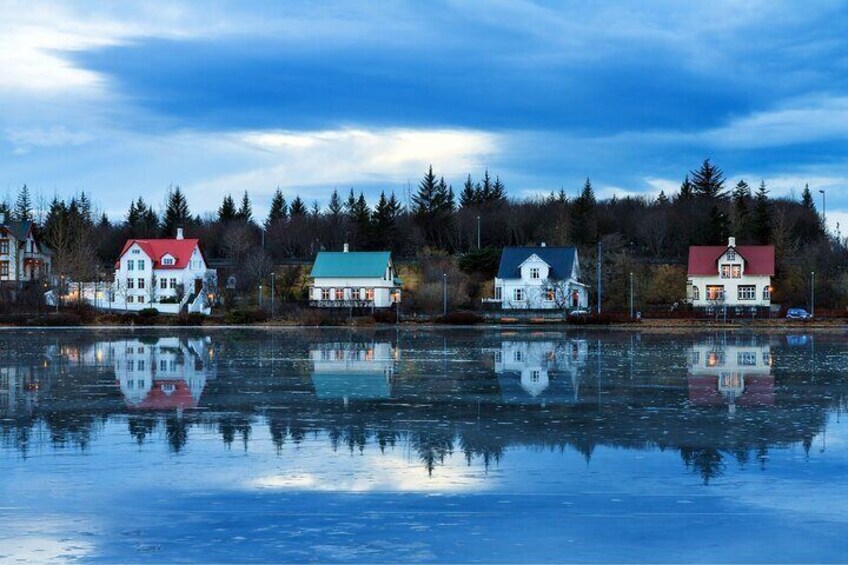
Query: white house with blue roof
x=361, y=279
x=540, y=278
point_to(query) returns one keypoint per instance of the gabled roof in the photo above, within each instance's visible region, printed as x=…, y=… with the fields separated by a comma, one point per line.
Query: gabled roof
x=560, y=259
x=19, y=230
x=180, y=249
x=356, y=264
x=759, y=259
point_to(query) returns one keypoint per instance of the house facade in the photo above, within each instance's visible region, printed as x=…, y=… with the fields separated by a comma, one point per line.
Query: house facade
x=23, y=257
x=170, y=275
x=731, y=275
x=354, y=279
x=541, y=371
x=540, y=278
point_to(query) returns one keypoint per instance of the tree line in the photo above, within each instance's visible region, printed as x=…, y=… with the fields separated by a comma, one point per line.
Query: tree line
x=432, y=219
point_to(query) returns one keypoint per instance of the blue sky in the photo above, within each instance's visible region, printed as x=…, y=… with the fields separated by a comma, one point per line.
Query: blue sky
x=128, y=99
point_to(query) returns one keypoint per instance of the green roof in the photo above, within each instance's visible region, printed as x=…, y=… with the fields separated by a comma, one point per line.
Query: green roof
x=357, y=264
x=358, y=386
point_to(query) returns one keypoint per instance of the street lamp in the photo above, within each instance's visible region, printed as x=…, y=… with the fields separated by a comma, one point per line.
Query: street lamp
x=824, y=209
x=444, y=294
x=631, y=295
x=478, y=232
x=273, y=288
x=813, y=293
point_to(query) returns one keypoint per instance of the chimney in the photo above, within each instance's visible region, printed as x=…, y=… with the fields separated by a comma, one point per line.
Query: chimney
x=731, y=242
x=180, y=233
x=346, y=248
x=543, y=244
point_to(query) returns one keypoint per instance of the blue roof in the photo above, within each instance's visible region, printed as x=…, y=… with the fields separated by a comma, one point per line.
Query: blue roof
x=357, y=264
x=560, y=259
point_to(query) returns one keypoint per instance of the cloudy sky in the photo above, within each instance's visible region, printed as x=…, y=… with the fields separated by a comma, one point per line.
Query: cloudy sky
x=219, y=97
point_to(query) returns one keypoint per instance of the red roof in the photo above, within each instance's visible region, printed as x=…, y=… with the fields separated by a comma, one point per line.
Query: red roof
x=179, y=249
x=759, y=391
x=167, y=395
x=759, y=259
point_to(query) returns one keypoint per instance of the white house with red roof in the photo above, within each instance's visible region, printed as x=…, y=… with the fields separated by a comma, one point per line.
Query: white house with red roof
x=730, y=275
x=170, y=275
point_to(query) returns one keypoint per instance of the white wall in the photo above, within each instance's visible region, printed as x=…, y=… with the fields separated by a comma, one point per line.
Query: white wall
x=382, y=289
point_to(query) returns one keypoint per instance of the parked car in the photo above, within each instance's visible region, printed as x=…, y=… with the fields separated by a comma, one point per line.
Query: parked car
x=578, y=314
x=798, y=314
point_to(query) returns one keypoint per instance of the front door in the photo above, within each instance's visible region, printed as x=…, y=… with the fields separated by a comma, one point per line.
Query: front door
x=198, y=285
x=575, y=299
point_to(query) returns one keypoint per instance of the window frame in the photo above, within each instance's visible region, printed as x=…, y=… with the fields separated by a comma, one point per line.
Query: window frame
x=746, y=292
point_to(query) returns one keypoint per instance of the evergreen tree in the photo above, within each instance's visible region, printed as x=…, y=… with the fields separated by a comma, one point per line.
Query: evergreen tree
x=432, y=207
x=86, y=209
x=708, y=181
x=469, y=197
x=741, y=196
x=686, y=189
x=297, y=208
x=23, y=206
x=498, y=191
x=227, y=211
x=350, y=205
x=177, y=214
x=662, y=199
x=583, y=216
x=485, y=191
x=361, y=219
x=761, y=223
x=716, y=228
x=335, y=206
x=5, y=211
x=245, y=211
x=384, y=222
x=807, y=199
x=279, y=210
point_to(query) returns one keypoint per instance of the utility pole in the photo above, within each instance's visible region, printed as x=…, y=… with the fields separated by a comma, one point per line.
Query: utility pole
x=631, y=296
x=478, y=232
x=813, y=294
x=600, y=251
x=273, y=288
x=444, y=294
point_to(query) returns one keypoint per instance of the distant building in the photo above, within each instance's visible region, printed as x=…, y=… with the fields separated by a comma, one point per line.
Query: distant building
x=730, y=275
x=542, y=277
x=541, y=372
x=23, y=256
x=170, y=275
x=731, y=374
x=353, y=371
x=354, y=279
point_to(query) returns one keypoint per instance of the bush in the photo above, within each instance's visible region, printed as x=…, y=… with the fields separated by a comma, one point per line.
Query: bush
x=603, y=319
x=460, y=318
x=388, y=316
x=147, y=317
x=240, y=317
x=117, y=318
x=56, y=319
x=188, y=319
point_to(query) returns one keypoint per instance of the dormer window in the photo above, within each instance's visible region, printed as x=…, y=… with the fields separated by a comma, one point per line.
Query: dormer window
x=167, y=261
x=534, y=273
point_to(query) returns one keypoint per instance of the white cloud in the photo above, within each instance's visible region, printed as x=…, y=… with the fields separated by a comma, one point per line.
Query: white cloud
x=55, y=136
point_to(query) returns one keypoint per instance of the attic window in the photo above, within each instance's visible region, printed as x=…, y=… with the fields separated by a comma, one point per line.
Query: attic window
x=135, y=251
x=534, y=272
x=167, y=260
x=731, y=255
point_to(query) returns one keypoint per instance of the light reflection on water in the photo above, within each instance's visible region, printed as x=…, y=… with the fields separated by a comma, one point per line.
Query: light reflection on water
x=379, y=445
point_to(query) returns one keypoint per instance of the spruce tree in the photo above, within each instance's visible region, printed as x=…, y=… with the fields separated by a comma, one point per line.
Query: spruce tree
x=350, y=205
x=469, y=197
x=86, y=209
x=177, y=214
x=335, y=206
x=498, y=191
x=245, y=211
x=741, y=196
x=761, y=223
x=686, y=189
x=23, y=206
x=662, y=199
x=425, y=201
x=227, y=211
x=708, y=181
x=807, y=199
x=297, y=208
x=279, y=210
x=583, y=216
x=486, y=189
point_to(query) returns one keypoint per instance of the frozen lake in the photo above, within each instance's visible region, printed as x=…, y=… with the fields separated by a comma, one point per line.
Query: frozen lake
x=423, y=445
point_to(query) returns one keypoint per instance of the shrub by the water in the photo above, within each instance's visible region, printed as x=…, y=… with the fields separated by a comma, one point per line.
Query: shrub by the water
x=460, y=318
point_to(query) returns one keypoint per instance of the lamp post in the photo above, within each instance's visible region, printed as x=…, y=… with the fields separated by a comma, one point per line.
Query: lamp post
x=262, y=228
x=824, y=209
x=259, y=295
x=273, y=290
x=478, y=232
x=813, y=293
x=631, y=295
x=600, y=251
x=444, y=294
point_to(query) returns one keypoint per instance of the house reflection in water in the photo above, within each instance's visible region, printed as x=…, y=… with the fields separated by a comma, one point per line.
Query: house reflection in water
x=163, y=374
x=730, y=373
x=353, y=371
x=541, y=372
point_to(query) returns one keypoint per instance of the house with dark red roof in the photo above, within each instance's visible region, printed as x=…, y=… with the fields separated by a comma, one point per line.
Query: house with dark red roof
x=170, y=275
x=731, y=275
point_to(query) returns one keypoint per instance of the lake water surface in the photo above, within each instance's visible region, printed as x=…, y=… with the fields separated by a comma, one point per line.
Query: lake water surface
x=384, y=445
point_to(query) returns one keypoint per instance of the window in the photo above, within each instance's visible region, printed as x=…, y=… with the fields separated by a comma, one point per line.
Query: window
x=4, y=246
x=535, y=376
x=130, y=284
x=534, y=272
x=369, y=294
x=135, y=251
x=498, y=293
x=168, y=261
x=141, y=365
x=4, y=268
x=737, y=271
x=518, y=355
x=140, y=265
x=163, y=365
x=746, y=358
x=549, y=295
x=140, y=299
x=725, y=271
x=163, y=284
x=339, y=294
x=130, y=300
x=141, y=284
x=715, y=358
x=715, y=292
x=696, y=293
x=747, y=292
x=325, y=294
x=518, y=294
x=130, y=265
x=173, y=284
x=731, y=255
x=354, y=294
x=767, y=293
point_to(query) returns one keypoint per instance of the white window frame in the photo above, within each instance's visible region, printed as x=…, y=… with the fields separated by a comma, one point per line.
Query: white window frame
x=519, y=295
x=746, y=292
x=535, y=273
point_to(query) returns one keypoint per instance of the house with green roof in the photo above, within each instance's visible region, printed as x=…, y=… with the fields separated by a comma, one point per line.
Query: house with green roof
x=354, y=279
x=23, y=256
